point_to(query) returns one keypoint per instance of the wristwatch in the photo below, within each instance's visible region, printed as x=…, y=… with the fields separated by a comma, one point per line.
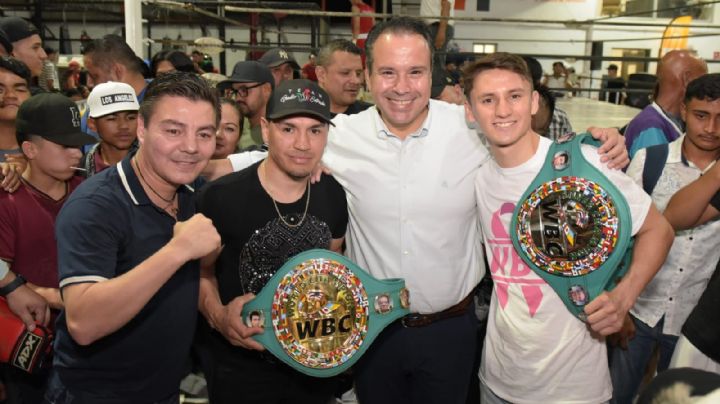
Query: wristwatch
x=10, y=287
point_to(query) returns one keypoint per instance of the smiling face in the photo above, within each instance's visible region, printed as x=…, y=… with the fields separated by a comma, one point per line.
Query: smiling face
x=400, y=81
x=295, y=144
x=502, y=103
x=178, y=140
x=341, y=78
x=228, y=133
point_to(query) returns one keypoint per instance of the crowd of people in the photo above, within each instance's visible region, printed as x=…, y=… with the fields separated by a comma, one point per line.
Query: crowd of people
x=138, y=228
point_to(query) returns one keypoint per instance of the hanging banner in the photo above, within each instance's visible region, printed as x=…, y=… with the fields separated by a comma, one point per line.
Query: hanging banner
x=675, y=37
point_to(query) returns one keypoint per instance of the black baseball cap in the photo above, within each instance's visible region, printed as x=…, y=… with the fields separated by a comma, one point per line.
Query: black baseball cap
x=299, y=97
x=5, y=41
x=17, y=28
x=248, y=72
x=440, y=79
x=276, y=57
x=53, y=117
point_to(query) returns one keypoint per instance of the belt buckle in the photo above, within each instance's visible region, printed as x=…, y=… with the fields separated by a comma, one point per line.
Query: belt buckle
x=412, y=317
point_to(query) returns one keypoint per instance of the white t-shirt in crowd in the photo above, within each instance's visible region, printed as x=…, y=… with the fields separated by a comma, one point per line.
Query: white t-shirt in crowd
x=535, y=350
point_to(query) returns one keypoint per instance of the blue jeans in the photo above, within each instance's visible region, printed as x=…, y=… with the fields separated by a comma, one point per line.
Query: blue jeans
x=627, y=368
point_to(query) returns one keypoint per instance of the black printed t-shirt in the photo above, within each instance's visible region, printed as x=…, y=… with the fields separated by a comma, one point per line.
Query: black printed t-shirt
x=257, y=242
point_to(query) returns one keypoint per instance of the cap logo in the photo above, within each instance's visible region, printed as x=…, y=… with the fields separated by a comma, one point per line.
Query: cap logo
x=283, y=54
x=114, y=98
x=75, y=116
x=303, y=95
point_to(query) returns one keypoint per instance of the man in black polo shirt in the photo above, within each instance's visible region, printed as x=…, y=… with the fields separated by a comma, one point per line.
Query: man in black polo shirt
x=128, y=241
x=266, y=214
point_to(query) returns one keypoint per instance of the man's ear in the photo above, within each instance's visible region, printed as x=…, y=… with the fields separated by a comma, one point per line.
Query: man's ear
x=140, y=129
x=468, y=111
x=265, y=129
x=29, y=149
x=321, y=73
x=683, y=111
x=91, y=124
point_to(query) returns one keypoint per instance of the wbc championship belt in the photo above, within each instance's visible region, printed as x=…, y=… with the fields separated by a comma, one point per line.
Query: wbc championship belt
x=572, y=226
x=321, y=311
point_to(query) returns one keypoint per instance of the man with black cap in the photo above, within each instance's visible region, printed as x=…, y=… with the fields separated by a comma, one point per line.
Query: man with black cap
x=250, y=85
x=26, y=43
x=281, y=64
x=48, y=131
x=445, y=87
x=276, y=213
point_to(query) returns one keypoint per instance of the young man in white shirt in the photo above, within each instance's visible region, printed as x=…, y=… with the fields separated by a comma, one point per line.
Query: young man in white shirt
x=535, y=349
x=663, y=307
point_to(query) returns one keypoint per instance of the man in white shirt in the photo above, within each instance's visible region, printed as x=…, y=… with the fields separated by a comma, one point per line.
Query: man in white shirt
x=536, y=350
x=663, y=307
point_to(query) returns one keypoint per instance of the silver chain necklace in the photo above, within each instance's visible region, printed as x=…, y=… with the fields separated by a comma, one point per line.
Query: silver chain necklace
x=307, y=203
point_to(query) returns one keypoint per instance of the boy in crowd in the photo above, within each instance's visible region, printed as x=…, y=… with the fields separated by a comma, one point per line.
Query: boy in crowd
x=113, y=115
x=535, y=349
x=48, y=131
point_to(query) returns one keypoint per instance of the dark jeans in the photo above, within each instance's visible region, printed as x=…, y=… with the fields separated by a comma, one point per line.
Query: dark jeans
x=430, y=364
x=58, y=393
x=259, y=378
x=627, y=368
x=22, y=387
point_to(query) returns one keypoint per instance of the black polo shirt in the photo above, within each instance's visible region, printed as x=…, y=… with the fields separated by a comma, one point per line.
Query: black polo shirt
x=356, y=107
x=106, y=228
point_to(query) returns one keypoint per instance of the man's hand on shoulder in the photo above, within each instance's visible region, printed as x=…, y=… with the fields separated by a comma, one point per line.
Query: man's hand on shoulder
x=613, y=150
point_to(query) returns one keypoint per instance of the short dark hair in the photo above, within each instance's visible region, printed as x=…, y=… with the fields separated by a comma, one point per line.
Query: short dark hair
x=48, y=50
x=16, y=67
x=535, y=67
x=612, y=67
x=398, y=25
x=113, y=49
x=497, y=60
x=179, y=84
x=336, y=45
x=705, y=87
x=178, y=59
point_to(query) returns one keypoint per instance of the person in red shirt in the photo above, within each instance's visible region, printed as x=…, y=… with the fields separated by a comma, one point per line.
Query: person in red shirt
x=48, y=132
x=361, y=25
x=308, y=70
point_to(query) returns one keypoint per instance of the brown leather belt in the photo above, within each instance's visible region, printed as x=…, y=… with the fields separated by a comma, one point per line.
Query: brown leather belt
x=421, y=320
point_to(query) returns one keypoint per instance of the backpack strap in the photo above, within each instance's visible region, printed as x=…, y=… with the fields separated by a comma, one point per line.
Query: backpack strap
x=655, y=159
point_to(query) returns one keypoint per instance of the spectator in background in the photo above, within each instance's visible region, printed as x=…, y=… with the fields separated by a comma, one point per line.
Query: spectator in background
x=48, y=79
x=71, y=76
x=361, y=25
x=558, y=81
x=612, y=81
x=441, y=29
x=308, y=70
x=48, y=131
x=113, y=116
x=445, y=87
x=15, y=85
x=26, y=43
x=281, y=64
x=230, y=129
x=172, y=60
x=660, y=122
x=559, y=123
x=340, y=74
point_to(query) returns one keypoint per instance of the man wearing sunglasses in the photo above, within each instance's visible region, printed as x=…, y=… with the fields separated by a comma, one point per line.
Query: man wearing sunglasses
x=250, y=85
